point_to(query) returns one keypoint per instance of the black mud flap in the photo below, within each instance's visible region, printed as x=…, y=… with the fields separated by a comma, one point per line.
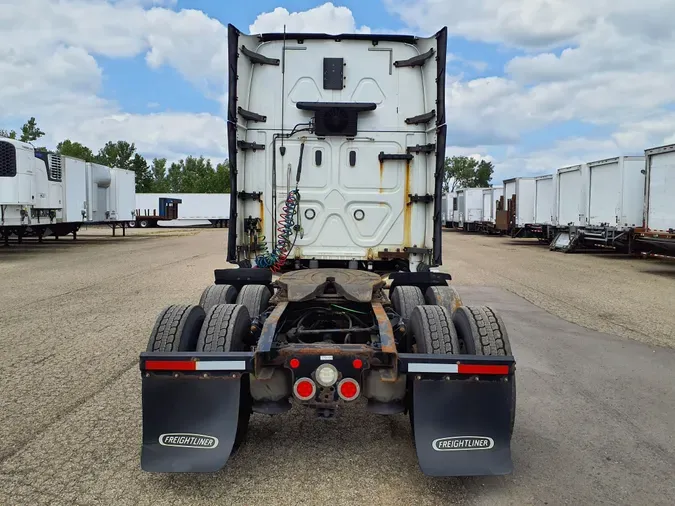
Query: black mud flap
x=189, y=423
x=462, y=427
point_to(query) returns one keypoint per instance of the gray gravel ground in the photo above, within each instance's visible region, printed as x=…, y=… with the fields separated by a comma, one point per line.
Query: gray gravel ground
x=595, y=411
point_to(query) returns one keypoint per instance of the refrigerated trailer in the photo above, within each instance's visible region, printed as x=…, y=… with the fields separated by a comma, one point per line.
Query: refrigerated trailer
x=657, y=233
x=334, y=293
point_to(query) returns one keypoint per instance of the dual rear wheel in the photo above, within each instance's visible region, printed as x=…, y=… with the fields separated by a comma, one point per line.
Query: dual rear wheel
x=438, y=323
x=219, y=323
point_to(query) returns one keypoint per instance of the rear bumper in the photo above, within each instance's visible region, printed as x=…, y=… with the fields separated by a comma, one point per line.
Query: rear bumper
x=420, y=365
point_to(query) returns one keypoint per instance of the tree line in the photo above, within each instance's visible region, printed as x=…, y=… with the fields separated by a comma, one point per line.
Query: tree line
x=191, y=175
x=199, y=175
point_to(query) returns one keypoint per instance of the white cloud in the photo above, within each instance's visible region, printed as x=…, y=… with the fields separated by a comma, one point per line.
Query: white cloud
x=326, y=18
x=605, y=62
x=49, y=71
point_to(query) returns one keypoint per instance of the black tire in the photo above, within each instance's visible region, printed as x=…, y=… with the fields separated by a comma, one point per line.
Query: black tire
x=405, y=299
x=432, y=331
x=482, y=332
x=225, y=328
x=176, y=329
x=217, y=294
x=144, y=223
x=445, y=296
x=256, y=298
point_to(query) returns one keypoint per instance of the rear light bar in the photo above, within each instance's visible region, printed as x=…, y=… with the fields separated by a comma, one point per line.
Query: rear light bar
x=438, y=367
x=195, y=365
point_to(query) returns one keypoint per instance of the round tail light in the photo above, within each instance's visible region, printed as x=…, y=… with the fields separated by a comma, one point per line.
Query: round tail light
x=304, y=389
x=349, y=389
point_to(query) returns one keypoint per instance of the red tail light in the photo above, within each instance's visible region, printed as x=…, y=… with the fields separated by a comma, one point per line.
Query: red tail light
x=349, y=389
x=304, y=389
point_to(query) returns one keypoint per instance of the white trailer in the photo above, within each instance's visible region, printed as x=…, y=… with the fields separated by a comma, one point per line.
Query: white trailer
x=572, y=196
x=449, y=208
x=522, y=190
x=74, y=187
x=31, y=191
x=122, y=202
x=657, y=233
x=195, y=209
x=470, y=207
x=544, y=200
x=490, y=198
x=616, y=192
x=98, y=179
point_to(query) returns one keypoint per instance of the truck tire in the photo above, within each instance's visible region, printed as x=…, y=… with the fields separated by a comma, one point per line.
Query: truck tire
x=144, y=223
x=445, y=296
x=176, y=329
x=256, y=298
x=217, y=294
x=433, y=331
x=405, y=299
x=225, y=328
x=482, y=332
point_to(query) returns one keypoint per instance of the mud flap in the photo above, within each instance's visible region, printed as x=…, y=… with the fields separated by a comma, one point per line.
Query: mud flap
x=189, y=423
x=462, y=427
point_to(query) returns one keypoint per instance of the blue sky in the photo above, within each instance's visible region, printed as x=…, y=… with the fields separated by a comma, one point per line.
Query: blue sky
x=531, y=85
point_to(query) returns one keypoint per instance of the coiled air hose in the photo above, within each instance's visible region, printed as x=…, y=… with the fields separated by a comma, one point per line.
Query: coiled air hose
x=276, y=259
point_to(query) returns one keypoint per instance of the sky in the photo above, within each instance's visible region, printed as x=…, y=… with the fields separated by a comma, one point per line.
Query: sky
x=532, y=85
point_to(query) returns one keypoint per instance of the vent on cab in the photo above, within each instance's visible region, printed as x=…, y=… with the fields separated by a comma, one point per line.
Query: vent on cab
x=336, y=118
x=7, y=159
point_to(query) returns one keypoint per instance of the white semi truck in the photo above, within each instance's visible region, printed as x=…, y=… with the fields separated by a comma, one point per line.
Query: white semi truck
x=334, y=292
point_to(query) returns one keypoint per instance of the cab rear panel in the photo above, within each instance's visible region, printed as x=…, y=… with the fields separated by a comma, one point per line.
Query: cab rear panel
x=370, y=185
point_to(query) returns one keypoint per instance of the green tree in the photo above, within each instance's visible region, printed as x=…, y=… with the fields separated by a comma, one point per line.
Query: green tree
x=483, y=174
x=117, y=154
x=459, y=172
x=76, y=150
x=160, y=184
x=221, y=180
x=30, y=131
x=466, y=172
x=143, y=175
x=8, y=134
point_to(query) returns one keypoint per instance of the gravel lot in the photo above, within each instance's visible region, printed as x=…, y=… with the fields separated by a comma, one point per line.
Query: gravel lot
x=595, y=409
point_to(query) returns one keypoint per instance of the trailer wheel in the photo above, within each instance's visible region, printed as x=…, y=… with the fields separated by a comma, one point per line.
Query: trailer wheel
x=131, y=224
x=225, y=328
x=445, y=296
x=176, y=329
x=144, y=223
x=256, y=298
x=482, y=332
x=217, y=294
x=405, y=299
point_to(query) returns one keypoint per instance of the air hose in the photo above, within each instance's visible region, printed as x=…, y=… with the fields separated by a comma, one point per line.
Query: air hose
x=276, y=259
